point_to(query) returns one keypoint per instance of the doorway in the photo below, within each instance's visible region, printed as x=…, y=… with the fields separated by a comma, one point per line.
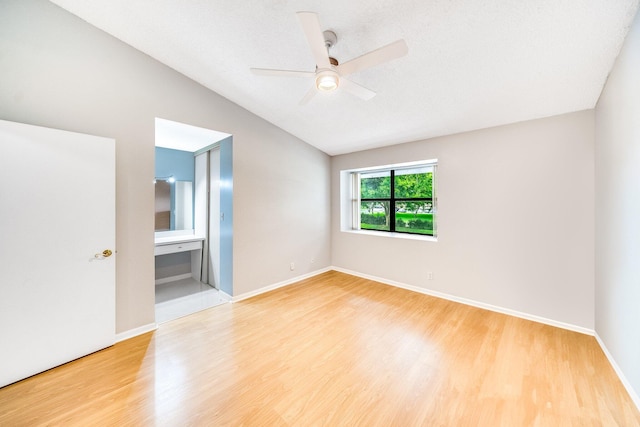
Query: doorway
x=190, y=255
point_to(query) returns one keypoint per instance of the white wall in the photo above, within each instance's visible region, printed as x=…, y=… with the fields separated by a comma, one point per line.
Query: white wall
x=283, y=213
x=617, y=272
x=60, y=72
x=515, y=224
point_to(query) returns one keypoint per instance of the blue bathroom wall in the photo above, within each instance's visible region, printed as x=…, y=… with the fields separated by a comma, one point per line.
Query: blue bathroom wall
x=176, y=163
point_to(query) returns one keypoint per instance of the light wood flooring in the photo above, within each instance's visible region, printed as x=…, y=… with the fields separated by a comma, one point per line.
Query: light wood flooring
x=333, y=350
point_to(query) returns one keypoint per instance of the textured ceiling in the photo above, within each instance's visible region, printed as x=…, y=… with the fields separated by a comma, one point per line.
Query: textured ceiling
x=471, y=64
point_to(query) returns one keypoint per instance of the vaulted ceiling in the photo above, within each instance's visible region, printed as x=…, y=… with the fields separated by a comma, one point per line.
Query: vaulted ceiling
x=471, y=64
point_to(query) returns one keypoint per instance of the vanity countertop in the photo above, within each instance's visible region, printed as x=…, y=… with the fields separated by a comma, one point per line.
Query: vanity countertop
x=170, y=240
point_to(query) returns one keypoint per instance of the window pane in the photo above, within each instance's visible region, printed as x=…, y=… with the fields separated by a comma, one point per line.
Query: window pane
x=414, y=217
x=374, y=185
x=374, y=215
x=414, y=182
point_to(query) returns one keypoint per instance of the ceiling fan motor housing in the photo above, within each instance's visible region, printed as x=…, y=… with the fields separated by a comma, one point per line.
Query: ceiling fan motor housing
x=330, y=38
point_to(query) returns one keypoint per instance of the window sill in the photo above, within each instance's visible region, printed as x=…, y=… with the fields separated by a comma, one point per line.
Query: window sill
x=393, y=235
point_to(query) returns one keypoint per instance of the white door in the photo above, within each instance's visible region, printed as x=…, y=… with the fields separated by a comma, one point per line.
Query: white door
x=57, y=216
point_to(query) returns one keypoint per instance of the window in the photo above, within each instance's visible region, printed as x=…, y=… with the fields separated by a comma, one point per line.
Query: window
x=398, y=199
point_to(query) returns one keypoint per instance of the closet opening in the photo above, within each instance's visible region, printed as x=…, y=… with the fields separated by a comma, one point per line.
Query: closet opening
x=193, y=219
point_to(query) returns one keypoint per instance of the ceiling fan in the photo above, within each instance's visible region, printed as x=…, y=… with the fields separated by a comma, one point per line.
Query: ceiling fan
x=329, y=74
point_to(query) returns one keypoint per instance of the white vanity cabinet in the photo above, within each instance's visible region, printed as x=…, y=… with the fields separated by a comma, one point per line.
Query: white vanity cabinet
x=169, y=243
x=174, y=247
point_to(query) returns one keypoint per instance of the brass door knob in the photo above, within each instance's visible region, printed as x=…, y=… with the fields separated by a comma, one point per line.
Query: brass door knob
x=104, y=254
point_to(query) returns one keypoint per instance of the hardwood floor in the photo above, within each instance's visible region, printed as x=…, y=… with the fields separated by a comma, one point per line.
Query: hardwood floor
x=333, y=350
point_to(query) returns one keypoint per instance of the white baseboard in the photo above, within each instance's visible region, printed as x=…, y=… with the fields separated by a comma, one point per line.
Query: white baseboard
x=627, y=385
x=136, y=331
x=278, y=285
x=173, y=278
x=470, y=302
x=225, y=296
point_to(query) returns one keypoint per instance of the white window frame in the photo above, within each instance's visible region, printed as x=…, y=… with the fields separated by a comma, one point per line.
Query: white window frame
x=350, y=200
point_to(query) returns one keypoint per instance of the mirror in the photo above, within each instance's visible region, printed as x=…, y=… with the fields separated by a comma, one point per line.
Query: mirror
x=174, y=205
x=163, y=205
x=174, y=189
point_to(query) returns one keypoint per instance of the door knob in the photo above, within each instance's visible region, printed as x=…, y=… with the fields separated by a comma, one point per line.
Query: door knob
x=105, y=254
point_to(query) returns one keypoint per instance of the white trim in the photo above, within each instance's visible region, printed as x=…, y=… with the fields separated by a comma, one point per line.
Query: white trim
x=173, y=278
x=472, y=303
x=627, y=385
x=225, y=296
x=394, y=235
x=404, y=165
x=136, y=331
x=274, y=286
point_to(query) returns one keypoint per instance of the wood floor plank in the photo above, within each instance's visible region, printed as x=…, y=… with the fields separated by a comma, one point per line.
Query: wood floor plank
x=333, y=350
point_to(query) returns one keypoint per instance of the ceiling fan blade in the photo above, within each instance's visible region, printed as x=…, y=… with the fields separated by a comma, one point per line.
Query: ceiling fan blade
x=313, y=32
x=357, y=90
x=281, y=73
x=386, y=53
x=305, y=99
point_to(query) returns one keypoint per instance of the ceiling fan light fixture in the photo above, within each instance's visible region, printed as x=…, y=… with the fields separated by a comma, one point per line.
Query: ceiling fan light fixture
x=326, y=81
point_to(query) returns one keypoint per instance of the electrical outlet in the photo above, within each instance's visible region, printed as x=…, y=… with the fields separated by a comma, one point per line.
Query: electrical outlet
x=292, y=266
x=430, y=275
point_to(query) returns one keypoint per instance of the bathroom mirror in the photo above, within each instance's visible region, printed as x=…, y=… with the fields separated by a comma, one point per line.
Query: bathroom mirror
x=174, y=189
x=163, y=205
x=174, y=205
